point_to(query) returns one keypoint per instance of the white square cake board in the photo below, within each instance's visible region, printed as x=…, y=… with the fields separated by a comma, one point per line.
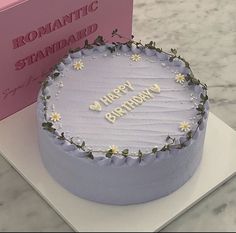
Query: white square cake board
x=18, y=144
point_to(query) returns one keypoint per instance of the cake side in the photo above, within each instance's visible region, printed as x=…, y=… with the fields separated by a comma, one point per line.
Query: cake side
x=121, y=182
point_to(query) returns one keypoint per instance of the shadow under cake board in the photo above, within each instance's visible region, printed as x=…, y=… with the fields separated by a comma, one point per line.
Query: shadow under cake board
x=81, y=215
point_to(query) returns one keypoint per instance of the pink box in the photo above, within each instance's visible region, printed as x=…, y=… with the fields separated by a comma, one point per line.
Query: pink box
x=36, y=34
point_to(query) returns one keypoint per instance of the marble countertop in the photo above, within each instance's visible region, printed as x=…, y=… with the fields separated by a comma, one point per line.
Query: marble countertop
x=204, y=32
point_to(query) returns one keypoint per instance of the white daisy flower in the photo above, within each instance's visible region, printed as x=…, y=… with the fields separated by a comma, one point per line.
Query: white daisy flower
x=55, y=117
x=78, y=65
x=179, y=78
x=184, y=126
x=135, y=57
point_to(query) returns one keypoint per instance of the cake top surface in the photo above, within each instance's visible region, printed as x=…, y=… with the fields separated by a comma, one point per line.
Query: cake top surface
x=124, y=101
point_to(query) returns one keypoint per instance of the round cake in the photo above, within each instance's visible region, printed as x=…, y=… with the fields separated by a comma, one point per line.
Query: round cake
x=122, y=123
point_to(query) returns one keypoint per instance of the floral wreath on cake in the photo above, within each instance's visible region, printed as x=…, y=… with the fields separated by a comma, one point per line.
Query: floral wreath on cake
x=113, y=150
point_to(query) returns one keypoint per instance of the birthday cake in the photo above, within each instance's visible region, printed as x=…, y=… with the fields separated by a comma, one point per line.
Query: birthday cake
x=122, y=123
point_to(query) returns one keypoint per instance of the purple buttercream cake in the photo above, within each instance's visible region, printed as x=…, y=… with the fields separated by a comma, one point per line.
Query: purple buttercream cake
x=122, y=124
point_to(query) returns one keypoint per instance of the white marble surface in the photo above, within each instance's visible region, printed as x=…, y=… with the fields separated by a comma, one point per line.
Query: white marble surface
x=204, y=32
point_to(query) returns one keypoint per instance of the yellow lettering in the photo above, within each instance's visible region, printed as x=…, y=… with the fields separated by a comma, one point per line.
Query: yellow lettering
x=147, y=92
x=137, y=99
x=117, y=92
x=126, y=107
x=112, y=96
x=106, y=100
x=120, y=111
x=131, y=103
x=128, y=85
x=122, y=88
x=144, y=97
x=110, y=118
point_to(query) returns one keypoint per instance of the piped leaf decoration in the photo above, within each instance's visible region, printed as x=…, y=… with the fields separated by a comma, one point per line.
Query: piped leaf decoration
x=154, y=150
x=99, y=41
x=151, y=45
x=62, y=137
x=87, y=45
x=96, y=106
x=140, y=155
x=112, y=49
x=49, y=127
x=174, y=51
x=125, y=152
x=109, y=153
x=189, y=135
x=90, y=155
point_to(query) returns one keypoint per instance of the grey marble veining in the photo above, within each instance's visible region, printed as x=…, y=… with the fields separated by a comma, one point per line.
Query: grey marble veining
x=204, y=32
x=21, y=208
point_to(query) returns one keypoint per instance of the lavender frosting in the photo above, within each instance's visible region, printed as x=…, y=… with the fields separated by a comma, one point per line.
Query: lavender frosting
x=121, y=180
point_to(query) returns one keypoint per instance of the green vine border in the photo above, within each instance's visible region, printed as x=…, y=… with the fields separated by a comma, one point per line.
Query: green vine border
x=170, y=142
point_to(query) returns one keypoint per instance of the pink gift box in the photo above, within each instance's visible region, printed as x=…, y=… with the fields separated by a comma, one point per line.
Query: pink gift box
x=36, y=34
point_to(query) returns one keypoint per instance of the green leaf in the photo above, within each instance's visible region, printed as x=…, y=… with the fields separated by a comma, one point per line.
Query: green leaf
x=87, y=45
x=154, y=150
x=129, y=44
x=204, y=86
x=200, y=108
x=90, y=155
x=62, y=136
x=56, y=74
x=187, y=77
x=159, y=50
x=150, y=45
x=112, y=49
x=125, y=152
x=199, y=122
x=171, y=58
x=114, y=32
x=165, y=147
x=202, y=96
x=99, y=41
x=48, y=126
x=195, y=81
x=45, y=84
x=109, y=153
x=174, y=51
x=189, y=135
x=140, y=154
x=168, y=138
